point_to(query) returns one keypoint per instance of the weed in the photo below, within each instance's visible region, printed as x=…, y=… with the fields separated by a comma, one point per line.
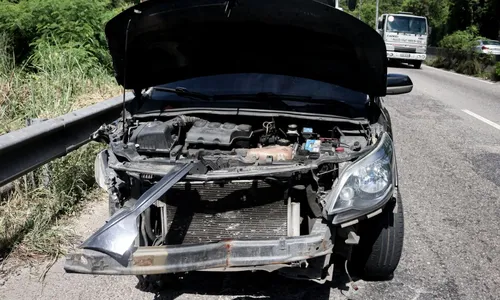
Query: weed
x=55, y=83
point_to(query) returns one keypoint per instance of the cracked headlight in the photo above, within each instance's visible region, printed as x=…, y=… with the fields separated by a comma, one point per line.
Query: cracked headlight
x=364, y=186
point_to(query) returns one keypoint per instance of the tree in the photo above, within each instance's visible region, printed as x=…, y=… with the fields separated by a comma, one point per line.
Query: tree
x=488, y=18
x=485, y=14
x=365, y=9
x=436, y=11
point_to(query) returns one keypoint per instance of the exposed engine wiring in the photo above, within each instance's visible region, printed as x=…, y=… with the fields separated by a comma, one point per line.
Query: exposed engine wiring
x=268, y=126
x=326, y=172
x=365, y=132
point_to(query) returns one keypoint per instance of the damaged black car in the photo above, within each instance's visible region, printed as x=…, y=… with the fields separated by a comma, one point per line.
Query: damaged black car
x=257, y=139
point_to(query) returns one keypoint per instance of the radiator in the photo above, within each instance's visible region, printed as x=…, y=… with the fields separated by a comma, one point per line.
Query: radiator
x=210, y=212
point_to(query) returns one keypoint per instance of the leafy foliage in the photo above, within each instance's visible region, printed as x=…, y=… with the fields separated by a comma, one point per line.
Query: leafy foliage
x=365, y=9
x=484, y=14
x=53, y=60
x=74, y=24
x=465, y=62
x=461, y=39
x=436, y=11
x=497, y=71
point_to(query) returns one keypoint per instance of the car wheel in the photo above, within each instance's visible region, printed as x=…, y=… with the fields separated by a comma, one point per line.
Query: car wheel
x=381, y=243
x=417, y=64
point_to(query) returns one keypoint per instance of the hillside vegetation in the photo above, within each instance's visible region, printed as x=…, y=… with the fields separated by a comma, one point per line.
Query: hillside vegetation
x=53, y=60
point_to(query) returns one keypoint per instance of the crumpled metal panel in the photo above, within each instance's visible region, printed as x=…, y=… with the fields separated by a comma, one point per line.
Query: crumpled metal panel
x=117, y=236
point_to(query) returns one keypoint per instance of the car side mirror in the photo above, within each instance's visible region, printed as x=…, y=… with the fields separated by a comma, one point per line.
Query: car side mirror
x=398, y=84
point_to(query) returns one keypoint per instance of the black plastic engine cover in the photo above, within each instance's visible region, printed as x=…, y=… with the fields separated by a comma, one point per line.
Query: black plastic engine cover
x=154, y=137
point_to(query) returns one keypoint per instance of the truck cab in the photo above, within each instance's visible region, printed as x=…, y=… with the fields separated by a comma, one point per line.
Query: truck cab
x=405, y=37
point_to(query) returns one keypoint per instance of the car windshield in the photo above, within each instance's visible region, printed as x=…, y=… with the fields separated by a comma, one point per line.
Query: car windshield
x=245, y=84
x=406, y=24
x=492, y=43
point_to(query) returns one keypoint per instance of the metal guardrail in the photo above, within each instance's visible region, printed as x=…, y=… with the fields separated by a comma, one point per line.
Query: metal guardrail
x=26, y=149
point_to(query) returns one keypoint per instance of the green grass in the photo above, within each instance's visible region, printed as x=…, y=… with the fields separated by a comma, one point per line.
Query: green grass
x=51, y=83
x=55, y=84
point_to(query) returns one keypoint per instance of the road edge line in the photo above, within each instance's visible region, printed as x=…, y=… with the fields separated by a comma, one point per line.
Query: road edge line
x=483, y=119
x=461, y=75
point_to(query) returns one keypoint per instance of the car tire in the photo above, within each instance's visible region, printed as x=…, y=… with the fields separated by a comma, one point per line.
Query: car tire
x=417, y=64
x=381, y=243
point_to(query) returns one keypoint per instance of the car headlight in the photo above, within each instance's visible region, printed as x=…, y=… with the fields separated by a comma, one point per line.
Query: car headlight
x=364, y=186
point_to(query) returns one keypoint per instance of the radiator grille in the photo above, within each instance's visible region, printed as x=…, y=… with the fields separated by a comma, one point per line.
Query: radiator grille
x=405, y=49
x=208, y=212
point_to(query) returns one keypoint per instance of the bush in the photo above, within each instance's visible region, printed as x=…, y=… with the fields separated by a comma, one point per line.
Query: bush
x=57, y=87
x=464, y=61
x=53, y=60
x=496, y=75
x=469, y=67
x=28, y=215
x=461, y=39
x=77, y=23
x=61, y=76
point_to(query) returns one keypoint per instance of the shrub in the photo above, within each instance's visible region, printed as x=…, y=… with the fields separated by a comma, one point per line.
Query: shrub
x=53, y=60
x=61, y=76
x=57, y=87
x=497, y=71
x=469, y=67
x=77, y=23
x=28, y=215
x=461, y=39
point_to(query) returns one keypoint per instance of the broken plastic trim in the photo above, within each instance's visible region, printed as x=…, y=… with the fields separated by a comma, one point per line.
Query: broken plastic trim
x=227, y=255
x=117, y=236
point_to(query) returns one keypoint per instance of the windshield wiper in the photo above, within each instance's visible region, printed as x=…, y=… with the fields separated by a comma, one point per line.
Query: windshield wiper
x=185, y=93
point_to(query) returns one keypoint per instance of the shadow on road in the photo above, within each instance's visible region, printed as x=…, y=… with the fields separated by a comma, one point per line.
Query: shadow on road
x=243, y=286
x=399, y=65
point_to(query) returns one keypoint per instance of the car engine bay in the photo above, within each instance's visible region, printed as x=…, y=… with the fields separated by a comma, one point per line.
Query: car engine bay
x=225, y=144
x=255, y=177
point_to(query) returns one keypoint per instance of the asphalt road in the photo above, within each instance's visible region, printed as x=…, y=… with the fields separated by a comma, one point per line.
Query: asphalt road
x=449, y=164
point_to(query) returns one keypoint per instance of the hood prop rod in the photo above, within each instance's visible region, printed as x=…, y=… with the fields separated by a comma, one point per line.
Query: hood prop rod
x=124, y=109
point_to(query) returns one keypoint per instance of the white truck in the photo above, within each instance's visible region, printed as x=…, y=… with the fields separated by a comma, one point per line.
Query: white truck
x=405, y=37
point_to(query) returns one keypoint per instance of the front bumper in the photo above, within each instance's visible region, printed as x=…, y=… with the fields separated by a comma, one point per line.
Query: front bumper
x=258, y=254
x=406, y=56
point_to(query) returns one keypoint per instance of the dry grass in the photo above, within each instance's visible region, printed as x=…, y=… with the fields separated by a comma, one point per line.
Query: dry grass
x=98, y=94
x=30, y=218
x=33, y=218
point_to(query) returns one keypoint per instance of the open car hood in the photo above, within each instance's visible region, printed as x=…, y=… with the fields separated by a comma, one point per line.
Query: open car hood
x=176, y=39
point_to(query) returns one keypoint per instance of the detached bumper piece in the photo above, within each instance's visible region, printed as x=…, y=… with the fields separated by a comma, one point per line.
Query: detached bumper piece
x=184, y=258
